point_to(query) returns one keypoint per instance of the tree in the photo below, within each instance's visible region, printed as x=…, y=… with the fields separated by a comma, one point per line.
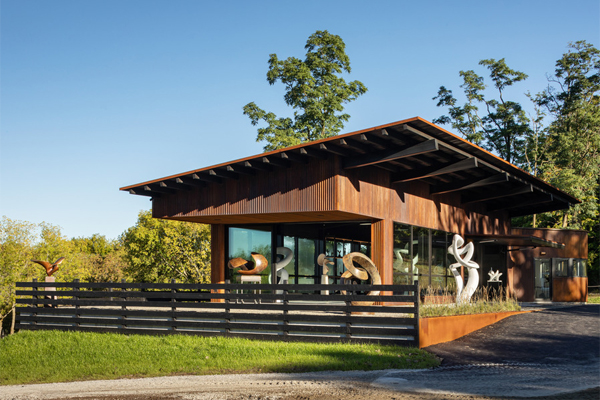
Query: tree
x=315, y=88
x=159, y=250
x=504, y=125
x=572, y=161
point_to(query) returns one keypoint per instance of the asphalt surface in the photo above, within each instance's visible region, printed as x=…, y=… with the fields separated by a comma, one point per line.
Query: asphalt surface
x=548, y=354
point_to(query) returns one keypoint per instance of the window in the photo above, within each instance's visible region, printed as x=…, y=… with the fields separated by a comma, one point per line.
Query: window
x=245, y=241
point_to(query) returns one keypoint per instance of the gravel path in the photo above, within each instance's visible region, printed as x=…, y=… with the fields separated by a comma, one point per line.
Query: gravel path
x=552, y=354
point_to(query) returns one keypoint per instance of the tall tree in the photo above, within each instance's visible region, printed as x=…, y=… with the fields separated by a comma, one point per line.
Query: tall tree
x=160, y=250
x=572, y=161
x=314, y=88
x=502, y=126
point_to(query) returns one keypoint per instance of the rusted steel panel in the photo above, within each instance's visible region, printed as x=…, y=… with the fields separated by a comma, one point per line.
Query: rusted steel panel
x=570, y=289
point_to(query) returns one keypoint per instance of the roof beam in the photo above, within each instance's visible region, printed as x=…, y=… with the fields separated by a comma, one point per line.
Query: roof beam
x=206, y=178
x=468, y=184
x=542, y=199
x=436, y=170
x=258, y=165
x=224, y=174
x=381, y=157
x=530, y=210
x=173, y=185
x=497, y=194
x=278, y=162
x=373, y=140
x=294, y=157
x=331, y=148
x=153, y=188
x=185, y=180
x=310, y=152
x=142, y=192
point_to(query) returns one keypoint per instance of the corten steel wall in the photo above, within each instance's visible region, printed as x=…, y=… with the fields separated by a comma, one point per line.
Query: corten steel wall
x=322, y=190
x=521, y=272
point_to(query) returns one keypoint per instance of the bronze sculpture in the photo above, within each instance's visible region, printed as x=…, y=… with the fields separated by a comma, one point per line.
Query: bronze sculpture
x=50, y=268
x=260, y=264
x=367, y=269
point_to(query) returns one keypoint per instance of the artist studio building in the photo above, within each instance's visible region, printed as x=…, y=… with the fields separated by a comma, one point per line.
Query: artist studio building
x=397, y=193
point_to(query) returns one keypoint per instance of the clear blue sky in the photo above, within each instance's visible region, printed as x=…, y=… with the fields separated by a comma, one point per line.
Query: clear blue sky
x=100, y=94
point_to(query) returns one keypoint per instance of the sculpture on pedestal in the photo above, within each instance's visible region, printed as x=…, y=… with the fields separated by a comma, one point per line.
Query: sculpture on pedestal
x=463, y=296
x=50, y=268
x=367, y=269
x=324, y=262
x=260, y=264
x=494, y=276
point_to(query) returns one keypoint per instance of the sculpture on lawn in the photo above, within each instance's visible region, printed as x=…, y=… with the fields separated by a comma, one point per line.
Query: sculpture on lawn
x=367, y=269
x=260, y=264
x=50, y=268
x=463, y=296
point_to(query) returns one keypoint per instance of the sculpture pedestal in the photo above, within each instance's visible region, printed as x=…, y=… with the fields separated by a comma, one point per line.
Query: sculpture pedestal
x=50, y=289
x=253, y=279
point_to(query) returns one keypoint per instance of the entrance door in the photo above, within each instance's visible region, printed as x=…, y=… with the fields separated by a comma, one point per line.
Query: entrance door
x=543, y=278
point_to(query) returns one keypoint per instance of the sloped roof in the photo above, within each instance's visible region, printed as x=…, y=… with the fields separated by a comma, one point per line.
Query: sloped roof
x=412, y=149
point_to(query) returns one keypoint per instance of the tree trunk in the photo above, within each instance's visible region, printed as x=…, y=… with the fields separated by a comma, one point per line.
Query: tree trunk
x=12, y=324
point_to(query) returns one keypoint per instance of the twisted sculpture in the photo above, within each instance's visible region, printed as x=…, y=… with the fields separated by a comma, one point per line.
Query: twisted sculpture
x=282, y=273
x=50, y=268
x=463, y=296
x=260, y=264
x=367, y=269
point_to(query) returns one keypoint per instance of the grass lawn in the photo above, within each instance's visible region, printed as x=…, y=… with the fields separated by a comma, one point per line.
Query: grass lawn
x=593, y=298
x=54, y=356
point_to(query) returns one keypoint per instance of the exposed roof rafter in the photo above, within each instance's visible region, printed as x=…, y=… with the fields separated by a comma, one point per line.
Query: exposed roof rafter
x=390, y=155
x=436, y=170
x=469, y=184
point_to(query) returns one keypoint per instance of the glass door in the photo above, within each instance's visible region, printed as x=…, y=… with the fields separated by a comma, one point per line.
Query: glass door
x=543, y=278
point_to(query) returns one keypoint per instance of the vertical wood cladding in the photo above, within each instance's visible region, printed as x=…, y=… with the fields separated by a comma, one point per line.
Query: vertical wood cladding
x=368, y=191
x=300, y=188
x=218, y=256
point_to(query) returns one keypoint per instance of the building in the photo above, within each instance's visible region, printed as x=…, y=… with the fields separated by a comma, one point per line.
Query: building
x=396, y=192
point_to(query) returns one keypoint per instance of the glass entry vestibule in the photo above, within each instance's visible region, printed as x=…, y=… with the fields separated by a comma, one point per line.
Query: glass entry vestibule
x=307, y=241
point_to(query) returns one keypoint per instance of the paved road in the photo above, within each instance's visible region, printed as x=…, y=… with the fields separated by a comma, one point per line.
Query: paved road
x=553, y=353
x=542, y=353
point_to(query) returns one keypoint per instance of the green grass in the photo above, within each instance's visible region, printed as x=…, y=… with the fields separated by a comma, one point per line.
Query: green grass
x=54, y=356
x=593, y=298
x=483, y=301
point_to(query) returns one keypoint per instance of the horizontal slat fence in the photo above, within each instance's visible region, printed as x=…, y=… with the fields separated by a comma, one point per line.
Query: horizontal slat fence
x=261, y=311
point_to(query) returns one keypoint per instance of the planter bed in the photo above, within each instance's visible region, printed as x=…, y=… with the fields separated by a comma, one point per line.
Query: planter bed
x=436, y=330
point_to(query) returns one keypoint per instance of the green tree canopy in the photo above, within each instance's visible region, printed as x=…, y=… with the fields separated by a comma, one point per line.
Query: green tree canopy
x=502, y=126
x=159, y=250
x=314, y=88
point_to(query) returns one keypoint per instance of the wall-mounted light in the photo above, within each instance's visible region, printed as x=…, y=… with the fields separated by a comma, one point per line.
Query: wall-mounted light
x=543, y=253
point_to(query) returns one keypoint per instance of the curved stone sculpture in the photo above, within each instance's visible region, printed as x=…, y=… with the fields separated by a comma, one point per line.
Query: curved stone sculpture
x=367, y=269
x=463, y=296
x=279, y=266
x=260, y=264
x=50, y=268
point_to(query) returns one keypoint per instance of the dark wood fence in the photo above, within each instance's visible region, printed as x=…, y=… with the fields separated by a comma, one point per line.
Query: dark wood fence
x=317, y=313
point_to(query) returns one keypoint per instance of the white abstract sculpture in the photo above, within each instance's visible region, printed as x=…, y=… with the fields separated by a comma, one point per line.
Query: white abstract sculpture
x=494, y=275
x=279, y=266
x=463, y=296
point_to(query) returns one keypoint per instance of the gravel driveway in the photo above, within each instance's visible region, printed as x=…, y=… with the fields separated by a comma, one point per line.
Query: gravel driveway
x=549, y=354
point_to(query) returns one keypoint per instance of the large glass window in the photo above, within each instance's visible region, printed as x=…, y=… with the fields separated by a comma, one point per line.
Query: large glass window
x=247, y=240
x=403, y=260
x=421, y=253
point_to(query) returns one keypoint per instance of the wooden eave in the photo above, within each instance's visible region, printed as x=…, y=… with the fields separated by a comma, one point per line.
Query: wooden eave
x=412, y=149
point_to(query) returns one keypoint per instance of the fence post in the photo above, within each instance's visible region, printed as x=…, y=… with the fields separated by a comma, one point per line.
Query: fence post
x=36, y=305
x=123, y=307
x=349, y=314
x=286, y=322
x=416, y=315
x=227, y=309
x=173, y=308
x=76, y=298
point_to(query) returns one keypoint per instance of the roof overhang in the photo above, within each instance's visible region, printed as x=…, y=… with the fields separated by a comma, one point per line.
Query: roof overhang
x=411, y=150
x=515, y=240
